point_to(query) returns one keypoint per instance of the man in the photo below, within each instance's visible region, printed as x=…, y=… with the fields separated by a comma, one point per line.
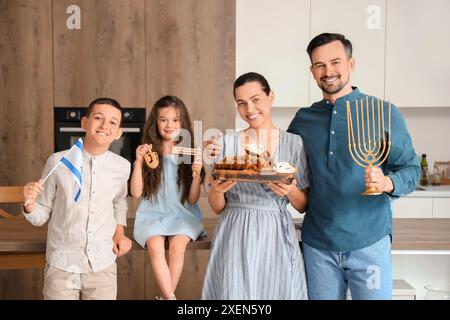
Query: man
x=347, y=236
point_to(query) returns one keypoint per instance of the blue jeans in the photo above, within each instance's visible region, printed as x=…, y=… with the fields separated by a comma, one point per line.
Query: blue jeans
x=366, y=272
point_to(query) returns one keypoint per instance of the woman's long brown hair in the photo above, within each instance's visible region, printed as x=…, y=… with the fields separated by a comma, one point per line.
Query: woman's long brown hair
x=152, y=177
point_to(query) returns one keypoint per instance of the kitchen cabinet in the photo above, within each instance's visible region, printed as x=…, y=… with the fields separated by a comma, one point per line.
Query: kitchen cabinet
x=106, y=57
x=412, y=208
x=190, y=53
x=26, y=89
x=271, y=39
x=441, y=207
x=417, y=51
x=432, y=202
x=363, y=23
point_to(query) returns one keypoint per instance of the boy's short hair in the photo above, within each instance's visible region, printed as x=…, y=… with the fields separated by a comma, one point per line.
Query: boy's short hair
x=109, y=101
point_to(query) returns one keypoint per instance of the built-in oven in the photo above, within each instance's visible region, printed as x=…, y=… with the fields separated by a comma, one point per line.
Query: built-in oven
x=68, y=130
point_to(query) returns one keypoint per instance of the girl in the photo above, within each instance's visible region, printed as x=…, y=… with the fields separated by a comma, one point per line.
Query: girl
x=169, y=209
x=255, y=252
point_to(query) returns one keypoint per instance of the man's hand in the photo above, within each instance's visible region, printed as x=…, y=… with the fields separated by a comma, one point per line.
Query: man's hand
x=282, y=189
x=122, y=244
x=376, y=178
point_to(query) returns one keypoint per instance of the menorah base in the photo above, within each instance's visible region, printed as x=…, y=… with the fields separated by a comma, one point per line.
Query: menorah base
x=371, y=191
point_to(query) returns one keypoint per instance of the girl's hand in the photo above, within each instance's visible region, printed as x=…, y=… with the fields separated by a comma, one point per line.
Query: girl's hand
x=282, y=189
x=221, y=186
x=197, y=167
x=141, y=151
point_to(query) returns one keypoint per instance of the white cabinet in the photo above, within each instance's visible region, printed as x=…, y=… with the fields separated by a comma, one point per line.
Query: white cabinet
x=417, y=53
x=271, y=39
x=412, y=208
x=363, y=23
x=421, y=207
x=441, y=207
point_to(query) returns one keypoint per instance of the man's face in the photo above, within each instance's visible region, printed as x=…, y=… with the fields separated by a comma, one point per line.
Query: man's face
x=331, y=68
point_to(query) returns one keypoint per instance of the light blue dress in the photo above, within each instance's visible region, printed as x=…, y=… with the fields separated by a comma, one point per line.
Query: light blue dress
x=167, y=215
x=255, y=253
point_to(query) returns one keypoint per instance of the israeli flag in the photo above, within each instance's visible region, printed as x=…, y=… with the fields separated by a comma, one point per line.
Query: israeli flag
x=73, y=160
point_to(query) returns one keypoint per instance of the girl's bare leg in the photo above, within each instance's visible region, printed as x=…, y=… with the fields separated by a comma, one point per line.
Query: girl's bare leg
x=177, y=248
x=161, y=271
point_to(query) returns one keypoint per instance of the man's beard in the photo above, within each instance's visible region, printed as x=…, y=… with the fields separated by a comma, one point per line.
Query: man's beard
x=334, y=89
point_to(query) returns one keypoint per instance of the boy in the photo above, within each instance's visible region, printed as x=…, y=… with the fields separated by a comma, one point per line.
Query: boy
x=84, y=236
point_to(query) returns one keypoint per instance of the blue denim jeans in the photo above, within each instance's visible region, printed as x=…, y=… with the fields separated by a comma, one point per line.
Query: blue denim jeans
x=366, y=272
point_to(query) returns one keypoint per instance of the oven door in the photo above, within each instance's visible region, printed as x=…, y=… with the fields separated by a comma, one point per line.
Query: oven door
x=126, y=146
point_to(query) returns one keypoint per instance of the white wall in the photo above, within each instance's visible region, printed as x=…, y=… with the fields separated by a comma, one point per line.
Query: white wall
x=430, y=132
x=421, y=270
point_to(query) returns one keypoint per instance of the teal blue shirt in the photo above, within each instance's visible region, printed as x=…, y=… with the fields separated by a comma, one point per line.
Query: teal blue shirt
x=338, y=217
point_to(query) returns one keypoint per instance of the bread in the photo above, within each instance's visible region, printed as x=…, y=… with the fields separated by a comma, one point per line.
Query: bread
x=247, y=162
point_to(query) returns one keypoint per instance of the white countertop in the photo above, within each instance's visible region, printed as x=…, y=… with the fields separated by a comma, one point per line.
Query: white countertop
x=442, y=191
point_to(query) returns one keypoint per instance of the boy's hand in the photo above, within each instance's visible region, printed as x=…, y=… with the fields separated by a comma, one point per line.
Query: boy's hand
x=30, y=193
x=141, y=151
x=282, y=189
x=122, y=244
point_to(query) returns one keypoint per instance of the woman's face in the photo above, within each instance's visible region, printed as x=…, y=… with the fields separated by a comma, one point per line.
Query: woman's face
x=254, y=105
x=169, y=123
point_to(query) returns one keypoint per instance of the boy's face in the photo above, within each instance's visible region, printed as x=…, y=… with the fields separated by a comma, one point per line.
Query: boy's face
x=103, y=125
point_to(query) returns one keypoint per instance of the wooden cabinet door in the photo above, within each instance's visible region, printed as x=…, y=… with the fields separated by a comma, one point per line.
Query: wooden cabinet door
x=190, y=54
x=363, y=23
x=271, y=39
x=418, y=49
x=106, y=57
x=26, y=84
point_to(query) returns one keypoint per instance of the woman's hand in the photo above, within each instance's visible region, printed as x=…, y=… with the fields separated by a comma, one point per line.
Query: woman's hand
x=218, y=186
x=282, y=189
x=213, y=149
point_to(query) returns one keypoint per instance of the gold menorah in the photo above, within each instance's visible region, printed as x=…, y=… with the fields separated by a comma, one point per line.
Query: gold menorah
x=374, y=150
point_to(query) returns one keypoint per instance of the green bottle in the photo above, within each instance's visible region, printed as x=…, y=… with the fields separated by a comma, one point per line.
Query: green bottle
x=424, y=165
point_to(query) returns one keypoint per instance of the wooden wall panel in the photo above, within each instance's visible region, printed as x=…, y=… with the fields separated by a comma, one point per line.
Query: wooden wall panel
x=26, y=89
x=106, y=57
x=191, y=280
x=191, y=54
x=24, y=284
x=131, y=275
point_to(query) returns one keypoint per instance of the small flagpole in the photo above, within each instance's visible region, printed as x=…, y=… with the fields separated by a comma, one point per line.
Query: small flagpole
x=51, y=171
x=42, y=183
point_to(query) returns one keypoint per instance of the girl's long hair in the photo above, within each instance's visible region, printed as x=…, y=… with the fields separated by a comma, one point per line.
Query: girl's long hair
x=152, y=177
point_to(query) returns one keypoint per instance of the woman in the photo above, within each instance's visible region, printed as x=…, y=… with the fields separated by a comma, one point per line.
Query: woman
x=255, y=252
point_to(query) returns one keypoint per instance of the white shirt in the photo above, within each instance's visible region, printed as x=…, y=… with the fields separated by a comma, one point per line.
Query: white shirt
x=81, y=232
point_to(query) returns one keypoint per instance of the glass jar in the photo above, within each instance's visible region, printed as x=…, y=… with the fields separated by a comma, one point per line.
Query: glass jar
x=437, y=292
x=435, y=178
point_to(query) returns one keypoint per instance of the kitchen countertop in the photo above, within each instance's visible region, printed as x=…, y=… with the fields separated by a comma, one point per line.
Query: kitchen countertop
x=19, y=236
x=442, y=191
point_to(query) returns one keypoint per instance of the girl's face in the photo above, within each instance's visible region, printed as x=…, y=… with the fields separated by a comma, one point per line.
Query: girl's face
x=254, y=105
x=169, y=123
